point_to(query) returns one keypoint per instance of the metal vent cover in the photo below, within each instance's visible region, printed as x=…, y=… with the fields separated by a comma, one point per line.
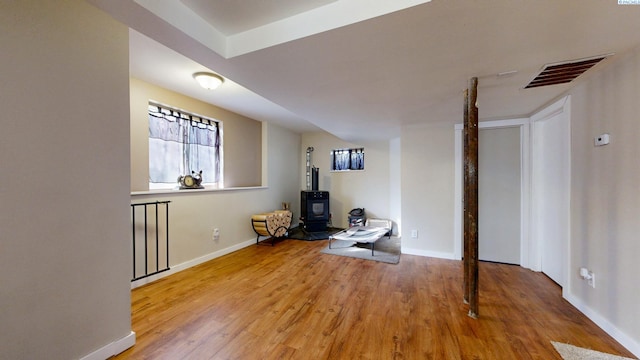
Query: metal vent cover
x=564, y=72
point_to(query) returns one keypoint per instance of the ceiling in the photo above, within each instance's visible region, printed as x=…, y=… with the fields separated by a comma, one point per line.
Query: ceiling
x=232, y=17
x=364, y=69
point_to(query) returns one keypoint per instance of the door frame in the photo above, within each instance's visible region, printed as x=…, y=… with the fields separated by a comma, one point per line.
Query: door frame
x=525, y=184
x=530, y=246
x=561, y=107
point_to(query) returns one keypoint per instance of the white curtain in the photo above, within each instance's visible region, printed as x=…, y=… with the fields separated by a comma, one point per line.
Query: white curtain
x=348, y=159
x=341, y=159
x=357, y=159
x=178, y=145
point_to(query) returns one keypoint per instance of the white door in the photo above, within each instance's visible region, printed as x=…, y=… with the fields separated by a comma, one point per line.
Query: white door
x=499, y=194
x=551, y=172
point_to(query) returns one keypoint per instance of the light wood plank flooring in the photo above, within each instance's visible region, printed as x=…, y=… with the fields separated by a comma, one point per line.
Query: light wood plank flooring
x=292, y=302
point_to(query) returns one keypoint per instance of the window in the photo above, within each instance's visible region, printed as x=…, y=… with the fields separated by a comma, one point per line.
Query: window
x=347, y=159
x=180, y=143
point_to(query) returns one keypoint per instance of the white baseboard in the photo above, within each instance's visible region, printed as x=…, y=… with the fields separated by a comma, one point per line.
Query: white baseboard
x=191, y=263
x=113, y=348
x=604, y=324
x=427, y=253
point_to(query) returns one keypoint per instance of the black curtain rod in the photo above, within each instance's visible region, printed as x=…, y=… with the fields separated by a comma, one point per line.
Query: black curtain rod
x=183, y=115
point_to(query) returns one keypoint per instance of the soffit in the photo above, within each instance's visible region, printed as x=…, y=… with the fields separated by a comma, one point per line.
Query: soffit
x=197, y=19
x=231, y=17
x=374, y=78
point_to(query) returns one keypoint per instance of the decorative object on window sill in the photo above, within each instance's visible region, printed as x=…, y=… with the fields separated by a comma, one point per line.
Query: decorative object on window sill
x=193, y=181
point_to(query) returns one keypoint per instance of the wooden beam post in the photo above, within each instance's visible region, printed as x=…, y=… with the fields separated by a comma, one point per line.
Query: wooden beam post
x=465, y=253
x=471, y=199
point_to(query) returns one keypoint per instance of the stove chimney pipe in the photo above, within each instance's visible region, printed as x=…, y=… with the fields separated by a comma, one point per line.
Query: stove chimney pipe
x=309, y=151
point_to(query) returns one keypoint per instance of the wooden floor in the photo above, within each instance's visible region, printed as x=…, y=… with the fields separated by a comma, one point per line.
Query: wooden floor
x=292, y=302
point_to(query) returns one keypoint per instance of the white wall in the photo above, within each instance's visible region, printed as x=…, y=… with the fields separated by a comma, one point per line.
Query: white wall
x=194, y=214
x=283, y=154
x=241, y=136
x=249, y=146
x=428, y=189
x=64, y=181
x=65, y=254
x=369, y=189
x=605, y=198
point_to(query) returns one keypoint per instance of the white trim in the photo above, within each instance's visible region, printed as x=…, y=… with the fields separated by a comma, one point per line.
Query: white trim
x=457, y=194
x=552, y=110
x=534, y=258
x=497, y=123
x=113, y=348
x=395, y=184
x=427, y=253
x=525, y=194
x=264, y=176
x=176, y=191
x=175, y=186
x=620, y=336
x=191, y=263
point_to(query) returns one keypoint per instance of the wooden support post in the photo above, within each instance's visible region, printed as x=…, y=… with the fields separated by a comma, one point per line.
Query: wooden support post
x=471, y=199
x=465, y=253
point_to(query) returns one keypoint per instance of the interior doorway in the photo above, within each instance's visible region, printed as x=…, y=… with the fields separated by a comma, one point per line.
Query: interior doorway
x=499, y=195
x=545, y=153
x=518, y=146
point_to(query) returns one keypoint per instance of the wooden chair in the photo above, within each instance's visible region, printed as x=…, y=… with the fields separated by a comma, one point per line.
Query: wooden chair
x=274, y=224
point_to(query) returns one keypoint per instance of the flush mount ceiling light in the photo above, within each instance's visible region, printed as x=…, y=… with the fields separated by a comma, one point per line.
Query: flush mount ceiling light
x=208, y=80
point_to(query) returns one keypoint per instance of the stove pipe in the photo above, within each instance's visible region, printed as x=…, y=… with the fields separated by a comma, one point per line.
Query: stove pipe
x=309, y=151
x=314, y=178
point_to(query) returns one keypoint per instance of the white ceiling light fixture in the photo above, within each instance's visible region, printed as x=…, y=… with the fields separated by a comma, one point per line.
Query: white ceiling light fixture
x=207, y=80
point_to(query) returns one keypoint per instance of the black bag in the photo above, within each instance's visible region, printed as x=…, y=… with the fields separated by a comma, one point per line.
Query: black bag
x=357, y=212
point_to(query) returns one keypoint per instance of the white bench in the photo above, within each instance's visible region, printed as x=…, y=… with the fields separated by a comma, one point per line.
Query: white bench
x=361, y=234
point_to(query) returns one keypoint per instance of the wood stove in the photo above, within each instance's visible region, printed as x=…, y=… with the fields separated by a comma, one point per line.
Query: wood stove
x=314, y=207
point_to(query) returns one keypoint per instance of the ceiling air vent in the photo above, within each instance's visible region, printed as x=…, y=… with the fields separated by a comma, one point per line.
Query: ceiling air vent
x=564, y=72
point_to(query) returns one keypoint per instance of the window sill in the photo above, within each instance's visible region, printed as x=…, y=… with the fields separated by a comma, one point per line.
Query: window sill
x=176, y=191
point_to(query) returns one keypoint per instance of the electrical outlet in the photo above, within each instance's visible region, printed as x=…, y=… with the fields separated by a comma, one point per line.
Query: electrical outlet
x=414, y=234
x=215, y=235
x=601, y=140
x=592, y=279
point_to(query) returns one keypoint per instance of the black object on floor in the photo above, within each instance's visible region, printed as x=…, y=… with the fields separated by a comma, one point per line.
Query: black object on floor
x=299, y=233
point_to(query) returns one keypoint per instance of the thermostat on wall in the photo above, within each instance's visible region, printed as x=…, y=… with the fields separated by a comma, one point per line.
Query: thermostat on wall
x=602, y=139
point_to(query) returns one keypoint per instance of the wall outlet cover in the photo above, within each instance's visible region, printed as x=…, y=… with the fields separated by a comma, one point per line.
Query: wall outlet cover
x=601, y=140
